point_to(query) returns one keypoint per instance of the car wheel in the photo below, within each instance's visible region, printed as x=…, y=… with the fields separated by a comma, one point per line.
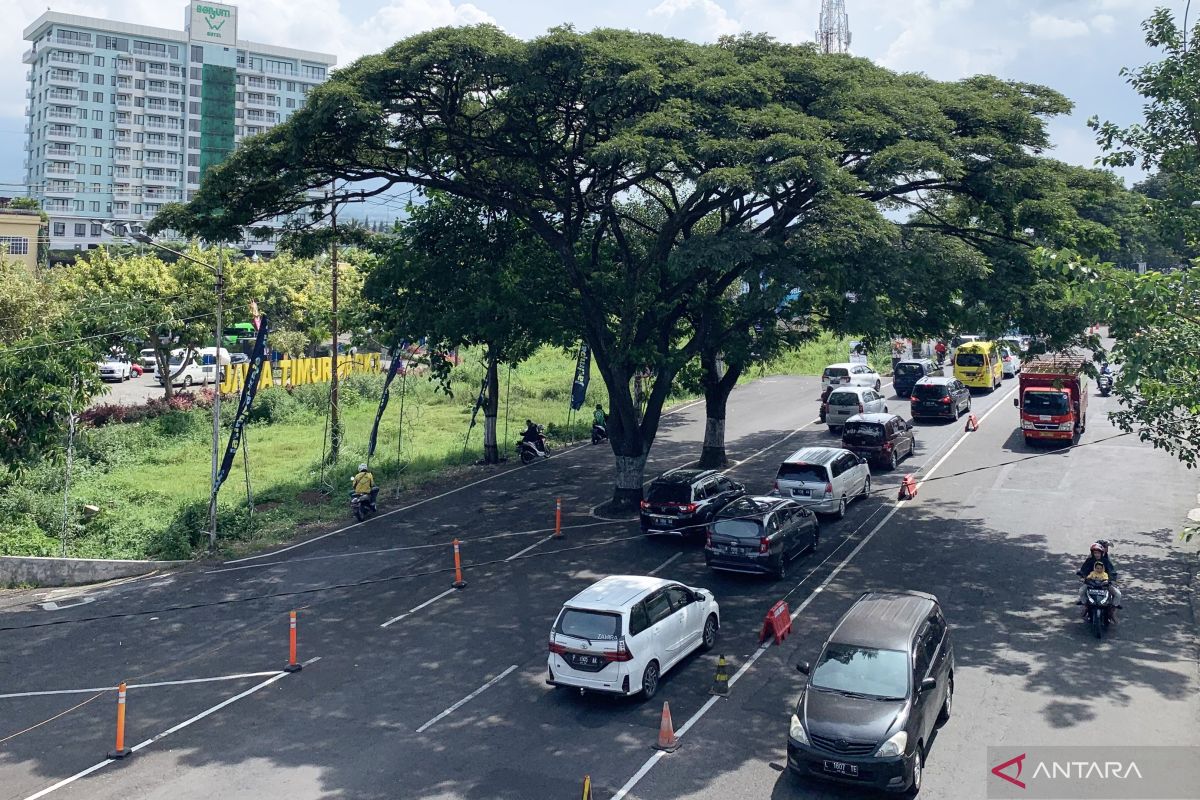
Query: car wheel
x=816, y=536
x=833, y=429
x=650, y=680
x=878, y=384
x=914, y=788
x=866, y=492
x=944, y=714
x=894, y=460
x=187, y=381
x=841, y=511
x=957, y=413
x=781, y=567
x=709, y=640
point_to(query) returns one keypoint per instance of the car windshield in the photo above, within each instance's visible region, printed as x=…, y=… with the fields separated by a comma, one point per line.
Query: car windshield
x=812, y=473
x=113, y=359
x=909, y=369
x=843, y=399
x=591, y=625
x=737, y=527
x=176, y=360
x=969, y=359
x=929, y=391
x=1049, y=403
x=669, y=493
x=862, y=433
x=836, y=372
x=862, y=670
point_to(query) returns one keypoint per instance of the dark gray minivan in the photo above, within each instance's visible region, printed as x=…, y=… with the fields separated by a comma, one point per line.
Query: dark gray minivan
x=883, y=682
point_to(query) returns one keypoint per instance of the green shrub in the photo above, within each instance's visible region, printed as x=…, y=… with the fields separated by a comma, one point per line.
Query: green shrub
x=274, y=405
x=313, y=396
x=187, y=534
x=20, y=536
x=361, y=387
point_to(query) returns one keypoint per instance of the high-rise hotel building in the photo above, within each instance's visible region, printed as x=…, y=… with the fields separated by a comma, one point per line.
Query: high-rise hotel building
x=123, y=118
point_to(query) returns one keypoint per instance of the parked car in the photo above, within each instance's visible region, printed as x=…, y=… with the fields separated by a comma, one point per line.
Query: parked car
x=881, y=439
x=197, y=368
x=1010, y=361
x=147, y=360
x=946, y=398
x=239, y=358
x=883, y=682
x=908, y=372
x=825, y=479
x=623, y=633
x=760, y=535
x=847, y=401
x=683, y=501
x=850, y=375
x=114, y=367
x=136, y=369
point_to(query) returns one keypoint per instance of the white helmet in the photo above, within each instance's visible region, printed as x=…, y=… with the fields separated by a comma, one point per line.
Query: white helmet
x=362, y=467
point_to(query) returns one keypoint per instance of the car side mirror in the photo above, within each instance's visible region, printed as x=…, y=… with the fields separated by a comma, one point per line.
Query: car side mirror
x=699, y=597
x=803, y=667
x=928, y=683
x=1017, y=402
x=861, y=460
x=908, y=426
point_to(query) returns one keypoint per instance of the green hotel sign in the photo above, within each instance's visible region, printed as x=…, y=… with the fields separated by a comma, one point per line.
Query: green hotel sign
x=213, y=22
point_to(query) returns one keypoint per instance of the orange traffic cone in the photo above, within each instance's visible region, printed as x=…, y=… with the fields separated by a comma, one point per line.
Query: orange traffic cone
x=666, y=732
x=908, y=488
x=972, y=423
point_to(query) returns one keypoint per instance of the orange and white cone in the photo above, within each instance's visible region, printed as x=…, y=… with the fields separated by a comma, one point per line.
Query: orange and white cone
x=972, y=423
x=666, y=732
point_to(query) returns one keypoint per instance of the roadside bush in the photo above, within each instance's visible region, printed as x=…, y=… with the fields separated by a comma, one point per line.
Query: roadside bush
x=274, y=405
x=187, y=534
x=20, y=536
x=313, y=396
x=362, y=387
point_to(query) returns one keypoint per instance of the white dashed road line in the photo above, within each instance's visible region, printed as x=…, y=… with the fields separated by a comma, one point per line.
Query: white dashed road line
x=241, y=676
x=466, y=699
x=664, y=564
x=428, y=602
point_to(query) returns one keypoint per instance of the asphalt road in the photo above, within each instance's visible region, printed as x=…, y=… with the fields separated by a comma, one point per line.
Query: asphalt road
x=421, y=691
x=134, y=391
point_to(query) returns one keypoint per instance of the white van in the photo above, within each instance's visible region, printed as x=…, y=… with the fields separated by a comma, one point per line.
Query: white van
x=197, y=368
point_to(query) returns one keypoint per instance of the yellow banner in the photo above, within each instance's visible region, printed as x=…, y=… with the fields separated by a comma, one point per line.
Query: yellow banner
x=299, y=371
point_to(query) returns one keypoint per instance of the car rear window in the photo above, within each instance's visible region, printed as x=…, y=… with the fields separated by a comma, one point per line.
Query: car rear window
x=969, y=359
x=669, y=493
x=737, y=527
x=910, y=369
x=814, y=473
x=592, y=625
x=862, y=433
x=928, y=391
x=843, y=399
x=836, y=372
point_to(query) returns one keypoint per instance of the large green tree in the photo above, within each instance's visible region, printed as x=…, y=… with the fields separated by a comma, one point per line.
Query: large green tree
x=570, y=131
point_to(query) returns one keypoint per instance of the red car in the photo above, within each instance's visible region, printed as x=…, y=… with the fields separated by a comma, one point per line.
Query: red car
x=136, y=369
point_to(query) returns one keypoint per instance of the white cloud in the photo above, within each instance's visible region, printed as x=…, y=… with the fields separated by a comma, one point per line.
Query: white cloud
x=929, y=41
x=1048, y=26
x=1103, y=23
x=705, y=20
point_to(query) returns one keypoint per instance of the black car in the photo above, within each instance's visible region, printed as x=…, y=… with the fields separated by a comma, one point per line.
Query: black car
x=908, y=372
x=944, y=398
x=883, y=682
x=882, y=439
x=760, y=535
x=683, y=501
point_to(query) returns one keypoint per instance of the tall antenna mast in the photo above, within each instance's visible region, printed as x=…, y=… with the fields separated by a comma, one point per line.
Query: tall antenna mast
x=834, y=34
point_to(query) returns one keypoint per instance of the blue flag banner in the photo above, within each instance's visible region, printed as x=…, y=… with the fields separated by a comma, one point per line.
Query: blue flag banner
x=583, y=373
x=397, y=364
x=249, y=389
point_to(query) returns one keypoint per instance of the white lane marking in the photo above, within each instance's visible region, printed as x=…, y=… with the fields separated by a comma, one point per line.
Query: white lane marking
x=467, y=699
x=537, y=544
x=240, y=676
x=664, y=564
x=428, y=602
x=101, y=765
x=62, y=604
x=704, y=709
x=753, y=456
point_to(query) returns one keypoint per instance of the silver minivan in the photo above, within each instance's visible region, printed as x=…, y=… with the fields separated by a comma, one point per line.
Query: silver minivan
x=845, y=402
x=825, y=479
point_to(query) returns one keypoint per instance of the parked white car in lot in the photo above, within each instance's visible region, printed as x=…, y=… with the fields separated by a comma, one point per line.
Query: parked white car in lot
x=147, y=360
x=188, y=370
x=847, y=401
x=622, y=633
x=850, y=375
x=115, y=368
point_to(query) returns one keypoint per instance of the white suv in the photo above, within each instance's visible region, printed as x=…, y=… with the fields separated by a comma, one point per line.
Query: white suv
x=845, y=402
x=836, y=375
x=825, y=479
x=621, y=634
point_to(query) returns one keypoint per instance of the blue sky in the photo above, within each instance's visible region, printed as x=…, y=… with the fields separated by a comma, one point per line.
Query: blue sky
x=1075, y=46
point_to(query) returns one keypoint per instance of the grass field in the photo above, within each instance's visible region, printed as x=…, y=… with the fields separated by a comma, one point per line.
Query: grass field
x=149, y=480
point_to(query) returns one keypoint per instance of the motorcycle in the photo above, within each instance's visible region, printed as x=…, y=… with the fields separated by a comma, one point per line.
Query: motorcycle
x=363, y=505
x=599, y=434
x=1097, y=608
x=1105, y=384
x=532, y=451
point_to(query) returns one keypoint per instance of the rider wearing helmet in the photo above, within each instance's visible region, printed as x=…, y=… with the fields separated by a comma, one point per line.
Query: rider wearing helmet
x=1098, y=560
x=364, y=484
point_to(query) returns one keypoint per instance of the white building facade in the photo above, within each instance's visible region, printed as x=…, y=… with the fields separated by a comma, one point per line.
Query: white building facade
x=123, y=118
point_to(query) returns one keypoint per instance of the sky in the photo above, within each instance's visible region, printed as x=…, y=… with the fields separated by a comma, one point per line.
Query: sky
x=1077, y=47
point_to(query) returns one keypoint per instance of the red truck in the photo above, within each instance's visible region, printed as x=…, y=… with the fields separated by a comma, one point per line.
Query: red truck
x=1053, y=398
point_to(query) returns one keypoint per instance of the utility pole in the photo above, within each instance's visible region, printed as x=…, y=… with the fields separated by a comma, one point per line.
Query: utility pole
x=335, y=430
x=216, y=434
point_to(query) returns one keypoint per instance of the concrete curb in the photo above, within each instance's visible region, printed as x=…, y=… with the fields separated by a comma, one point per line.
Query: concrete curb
x=36, y=571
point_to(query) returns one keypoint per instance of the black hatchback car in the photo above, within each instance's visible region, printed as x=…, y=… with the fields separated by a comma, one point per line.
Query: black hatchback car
x=683, y=501
x=944, y=398
x=883, y=682
x=760, y=535
x=908, y=372
x=882, y=439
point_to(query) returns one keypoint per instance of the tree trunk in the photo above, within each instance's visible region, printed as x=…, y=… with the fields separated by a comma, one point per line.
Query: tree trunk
x=627, y=493
x=718, y=385
x=491, y=409
x=162, y=357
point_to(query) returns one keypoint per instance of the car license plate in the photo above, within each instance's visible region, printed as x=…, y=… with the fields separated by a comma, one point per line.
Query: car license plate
x=801, y=492
x=842, y=768
x=587, y=661
x=663, y=520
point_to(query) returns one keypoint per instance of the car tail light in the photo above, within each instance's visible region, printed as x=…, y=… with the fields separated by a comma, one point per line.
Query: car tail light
x=887, y=445
x=764, y=545
x=829, y=489
x=860, y=408
x=689, y=508
x=708, y=539
x=777, y=485
x=946, y=401
x=623, y=653
x=644, y=504
x=555, y=647
x=914, y=399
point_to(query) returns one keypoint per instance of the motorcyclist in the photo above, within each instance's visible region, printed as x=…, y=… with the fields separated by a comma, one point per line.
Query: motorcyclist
x=533, y=435
x=599, y=423
x=364, y=485
x=1106, y=368
x=940, y=350
x=1098, y=557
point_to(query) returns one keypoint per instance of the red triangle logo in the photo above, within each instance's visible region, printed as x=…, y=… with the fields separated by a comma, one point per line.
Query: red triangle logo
x=998, y=770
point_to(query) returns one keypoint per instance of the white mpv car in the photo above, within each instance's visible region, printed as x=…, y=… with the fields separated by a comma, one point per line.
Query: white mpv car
x=621, y=634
